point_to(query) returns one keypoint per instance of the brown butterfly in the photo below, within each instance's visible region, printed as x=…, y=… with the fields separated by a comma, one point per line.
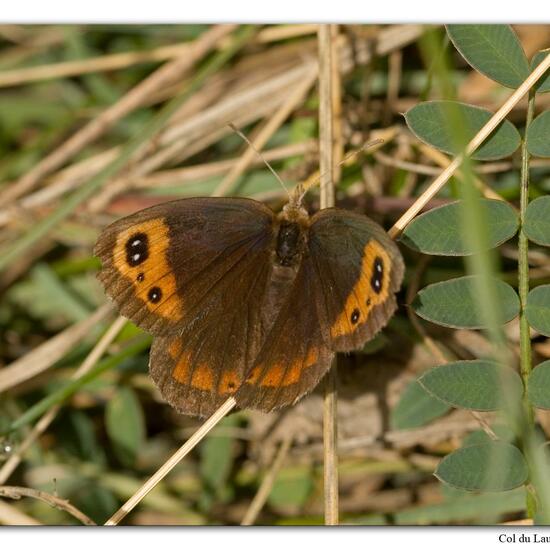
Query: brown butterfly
x=246, y=303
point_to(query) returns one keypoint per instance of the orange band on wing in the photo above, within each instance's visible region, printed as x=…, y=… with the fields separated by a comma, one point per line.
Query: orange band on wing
x=146, y=265
x=230, y=381
x=202, y=378
x=280, y=375
x=371, y=289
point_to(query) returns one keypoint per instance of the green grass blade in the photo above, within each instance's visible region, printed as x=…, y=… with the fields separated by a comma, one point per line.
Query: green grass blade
x=70, y=388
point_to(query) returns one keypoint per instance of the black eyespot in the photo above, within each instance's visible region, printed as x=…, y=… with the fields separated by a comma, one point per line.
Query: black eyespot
x=137, y=249
x=140, y=277
x=377, y=275
x=231, y=386
x=154, y=294
x=369, y=302
x=355, y=316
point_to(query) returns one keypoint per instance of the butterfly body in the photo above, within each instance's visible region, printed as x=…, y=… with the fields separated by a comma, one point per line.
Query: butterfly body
x=246, y=303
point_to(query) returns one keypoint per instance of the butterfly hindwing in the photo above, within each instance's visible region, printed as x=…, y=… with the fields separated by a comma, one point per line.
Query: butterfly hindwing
x=295, y=354
x=200, y=367
x=360, y=268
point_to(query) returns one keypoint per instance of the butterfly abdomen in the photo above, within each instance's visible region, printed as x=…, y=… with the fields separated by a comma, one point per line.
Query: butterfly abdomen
x=289, y=243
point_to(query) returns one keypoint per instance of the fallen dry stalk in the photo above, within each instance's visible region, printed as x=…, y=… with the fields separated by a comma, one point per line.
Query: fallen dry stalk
x=102, y=63
x=165, y=469
x=261, y=496
x=16, y=493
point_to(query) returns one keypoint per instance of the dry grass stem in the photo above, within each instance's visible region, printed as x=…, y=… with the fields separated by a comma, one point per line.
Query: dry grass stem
x=112, y=62
x=44, y=356
x=266, y=132
x=326, y=169
x=163, y=76
x=282, y=32
x=61, y=504
x=261, y=496
x=167, y=467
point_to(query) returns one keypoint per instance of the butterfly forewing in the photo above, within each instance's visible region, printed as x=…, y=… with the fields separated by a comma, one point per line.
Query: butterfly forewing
x=161, y=265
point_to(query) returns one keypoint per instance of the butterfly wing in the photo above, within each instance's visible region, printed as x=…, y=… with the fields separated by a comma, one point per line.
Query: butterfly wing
x=162, y=264
x=360, y=269
x=295, y=353
x=197, y=370
x=341, y=297
x=209, y=260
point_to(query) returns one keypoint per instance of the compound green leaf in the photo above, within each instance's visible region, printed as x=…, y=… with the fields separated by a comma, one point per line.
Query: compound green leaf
x=435, y=122
x=537, y=221
x=538, y=135
x=438, y=230
x=492, y=466
x=493, y=50
x=538, y=386
x=454, y=303
x=538, y=309
x=478, y=385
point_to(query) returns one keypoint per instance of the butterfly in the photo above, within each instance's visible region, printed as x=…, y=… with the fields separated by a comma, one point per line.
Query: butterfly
x=244, y=302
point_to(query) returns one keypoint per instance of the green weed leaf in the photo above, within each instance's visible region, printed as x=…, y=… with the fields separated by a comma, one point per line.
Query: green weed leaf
x=416, y=408
x=543, y=85
x=538, y=309
x=217, y=457
x=433, y=123
x=492, y=466
x=538, y=135
x=438, y=230
x=493, y=50
x=537, y=221
x=473, y=385
x=454, y=303
x=538, y=387
x=125, y=425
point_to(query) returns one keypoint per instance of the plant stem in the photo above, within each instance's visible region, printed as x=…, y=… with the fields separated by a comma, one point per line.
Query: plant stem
x=326, y=167
x=523, y=263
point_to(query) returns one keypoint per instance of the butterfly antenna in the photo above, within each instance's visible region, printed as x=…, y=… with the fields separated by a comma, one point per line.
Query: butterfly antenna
x=302, y=188
x=251, y=145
